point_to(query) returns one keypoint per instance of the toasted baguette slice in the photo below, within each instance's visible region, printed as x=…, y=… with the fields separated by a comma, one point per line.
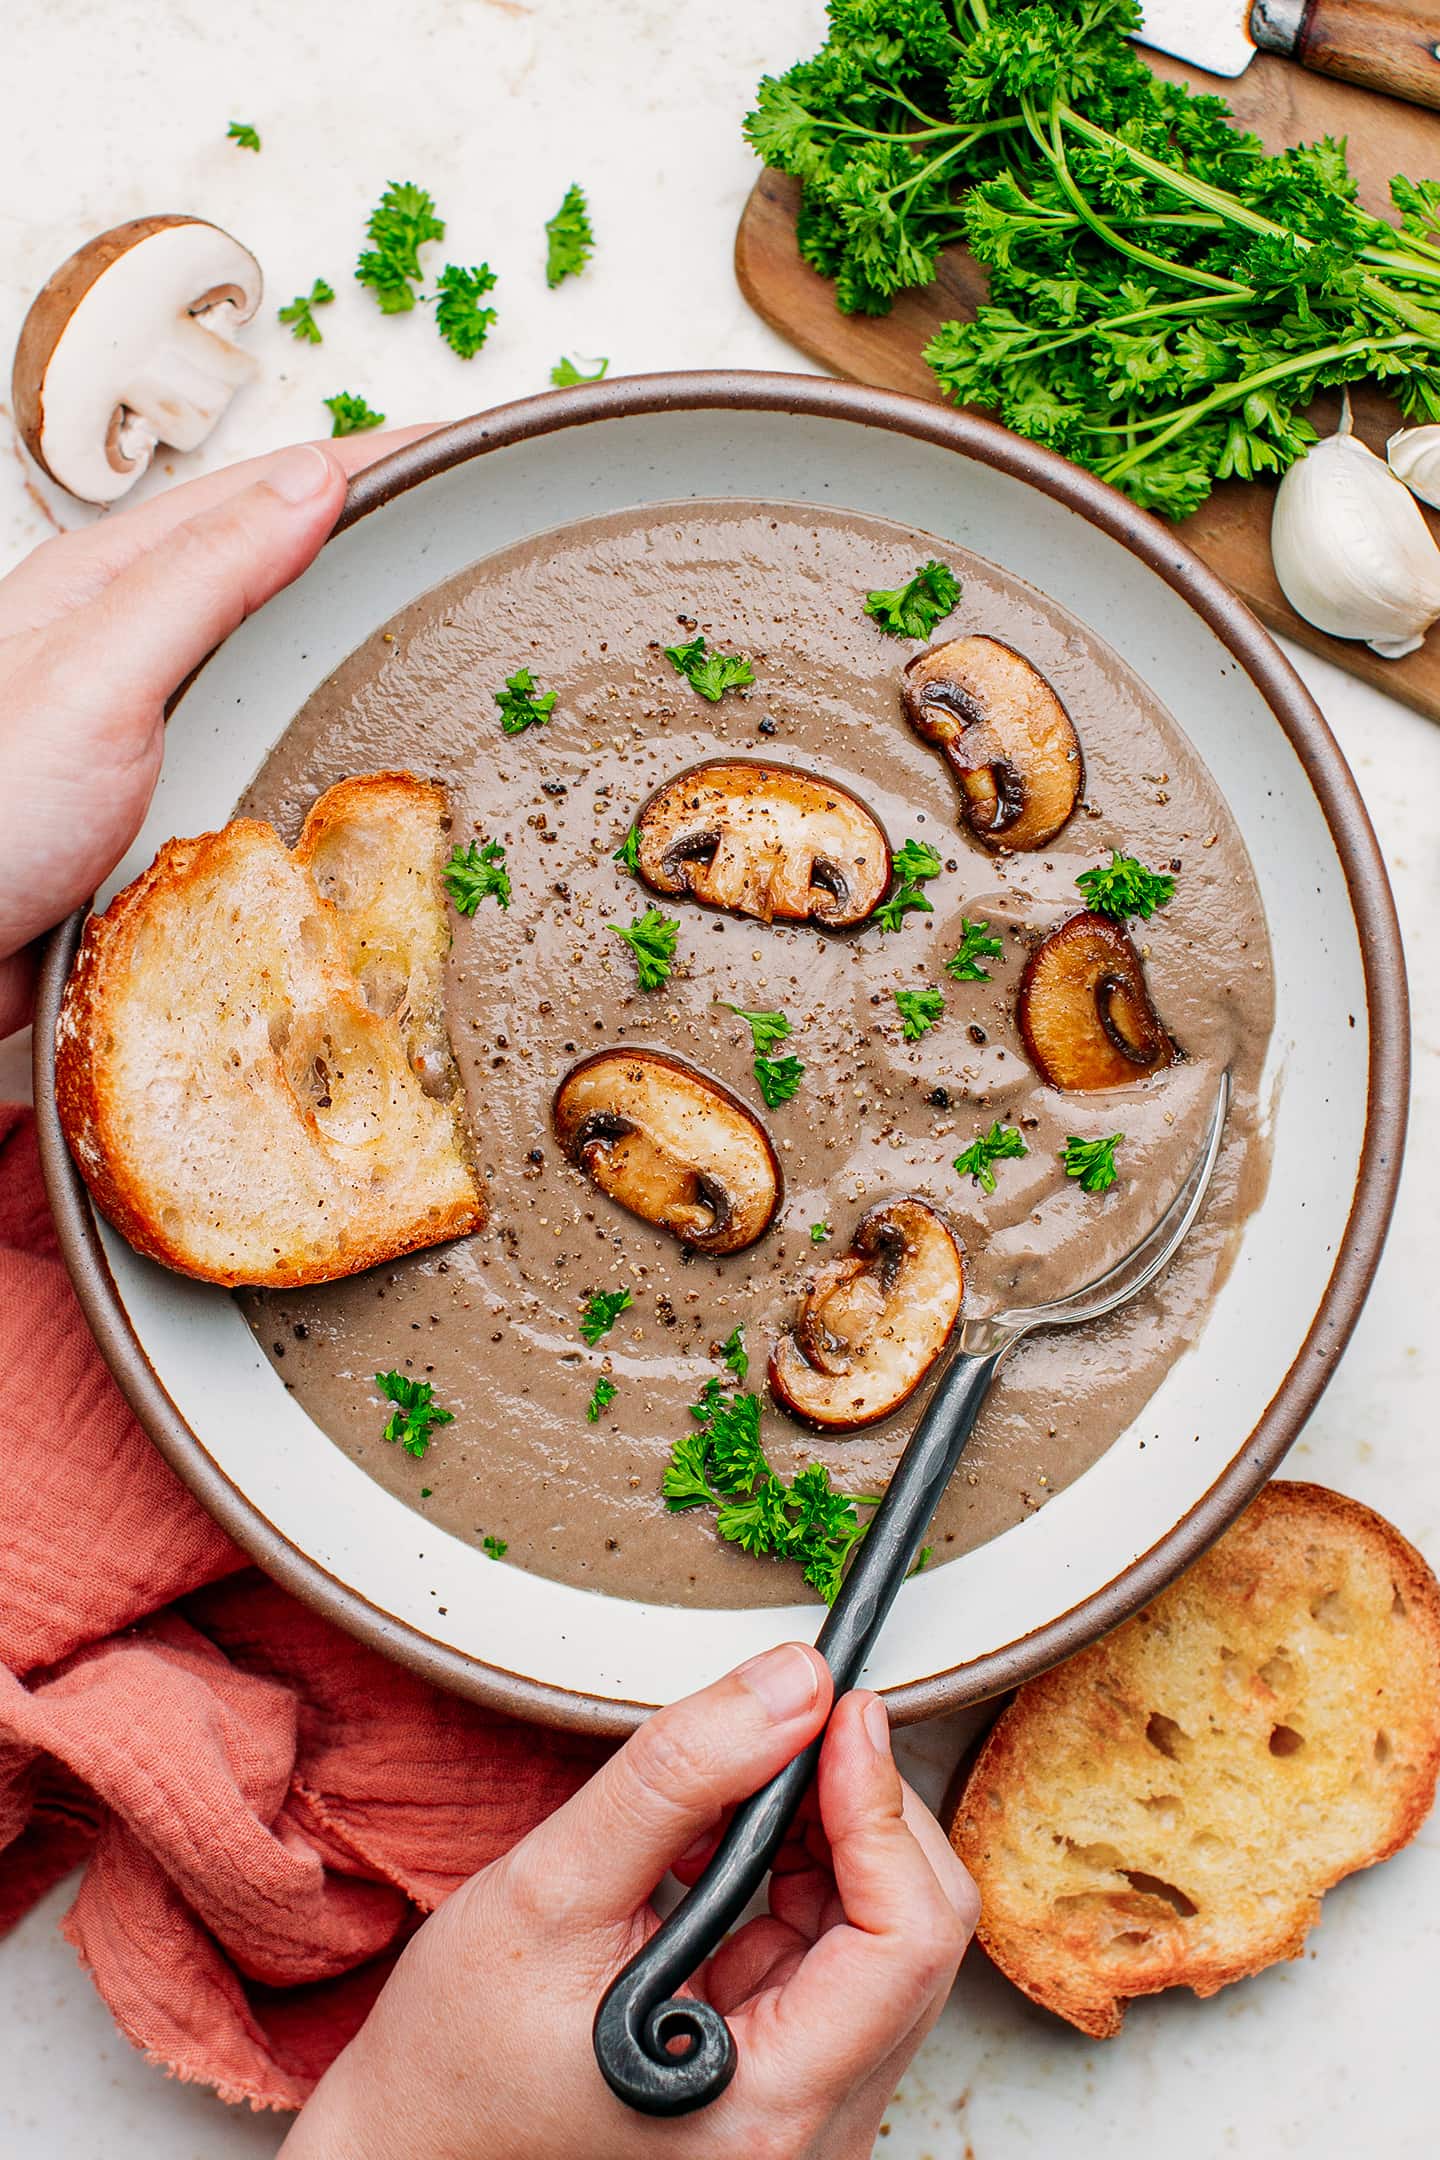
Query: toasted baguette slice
x=252, y=1068
x=1167, y=1808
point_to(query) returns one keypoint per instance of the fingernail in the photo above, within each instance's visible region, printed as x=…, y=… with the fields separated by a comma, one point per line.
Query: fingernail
x=300, y=474
x=785, y=1680
x=877, y=1725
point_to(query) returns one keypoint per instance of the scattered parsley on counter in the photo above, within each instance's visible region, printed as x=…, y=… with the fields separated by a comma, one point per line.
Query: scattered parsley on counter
x=459, y=317
x=602, y=1310
x=733, y=1354
x=976, y=944
x=1092, y=1162
x=628, y=852
x=778, y=1079
x=1001, y=1144
x=919, y=1011
x=350, y=415
x=651, y=937
x=477, y=873
x=565, y=374
x=819, y=1232
x=710, y=673
x=723, y=1465
x=242, y=135
x=1124, y=887
x=494, y=1548
x=913, y=862
x=399, y=226
x=569, y=238
x=300, y=314
x=416, y=1411
x=519, y=706
x=913, y=610
x=604, y=1395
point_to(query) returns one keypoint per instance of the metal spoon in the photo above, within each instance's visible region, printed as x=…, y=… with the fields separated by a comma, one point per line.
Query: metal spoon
x=641, y=2013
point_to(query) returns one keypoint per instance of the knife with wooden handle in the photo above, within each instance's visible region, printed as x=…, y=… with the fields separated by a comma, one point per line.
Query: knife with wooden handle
x=1392, y=48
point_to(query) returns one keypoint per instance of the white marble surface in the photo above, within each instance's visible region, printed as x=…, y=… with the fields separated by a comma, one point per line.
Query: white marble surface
x=496, y=105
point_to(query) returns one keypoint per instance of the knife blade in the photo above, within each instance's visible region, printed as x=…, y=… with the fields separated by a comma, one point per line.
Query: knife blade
x=1388, y=45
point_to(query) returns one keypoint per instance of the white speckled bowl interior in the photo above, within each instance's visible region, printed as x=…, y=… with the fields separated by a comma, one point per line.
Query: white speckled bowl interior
x=1336, y=1075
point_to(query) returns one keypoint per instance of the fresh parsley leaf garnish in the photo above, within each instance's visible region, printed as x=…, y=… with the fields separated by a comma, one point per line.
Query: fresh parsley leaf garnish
x=350, y=415
x=915, y=860
x=477, y=873
x=1000, y=1144
x=1124, y=887
x=651, y=937
x=401, y=224
x=416, y=1412
x=819, y=1232
x=565, y=374
x=600, y=1401
x=242, y=135
x=459, y=317
x=628, y=852
x=734, y=1356
x=494, y=1548
x=913, y=610
x=568, y=237
x=723, y=1465
x=766, y=1028
x=779, y=1079
x=919, y=1011
x=519, y=707
x=602, y=1309
x=976, y=944
x=892, y=911
x=300, y=315
x=710, y=673
x=1092, y=1162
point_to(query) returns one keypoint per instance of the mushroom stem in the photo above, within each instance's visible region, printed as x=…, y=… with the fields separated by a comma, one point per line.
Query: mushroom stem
x=186, y=381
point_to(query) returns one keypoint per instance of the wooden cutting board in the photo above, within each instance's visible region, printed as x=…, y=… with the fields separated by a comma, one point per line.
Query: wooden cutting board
x=1283, y=105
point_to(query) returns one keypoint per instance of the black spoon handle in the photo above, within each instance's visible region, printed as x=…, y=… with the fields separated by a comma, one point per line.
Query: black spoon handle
x=642, y=2011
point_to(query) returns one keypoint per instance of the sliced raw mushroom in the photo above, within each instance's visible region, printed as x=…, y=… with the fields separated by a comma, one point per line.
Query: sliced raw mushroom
x=1085, y=1012
x=764, y=840
x=872, y=1322
x=1005, y=735
x=130, y=344
x=673, y=1146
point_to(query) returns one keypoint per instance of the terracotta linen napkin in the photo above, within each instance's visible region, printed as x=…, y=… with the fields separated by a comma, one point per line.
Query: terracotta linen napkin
x=264, y=1808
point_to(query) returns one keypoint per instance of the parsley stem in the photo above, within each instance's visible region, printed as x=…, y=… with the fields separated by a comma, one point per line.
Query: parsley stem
x=1102, y=227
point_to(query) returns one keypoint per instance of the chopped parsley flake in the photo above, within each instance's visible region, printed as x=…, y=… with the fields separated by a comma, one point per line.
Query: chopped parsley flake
x=399, y=226
x=733, y=1354
x=1092, y=1162
x=242, y=135
x=819, y=1232
x=565, y=374
x=459, y=317
x=1001, y=1144
x=350, y=415
x=778, y=1079
x=494, y=1548
x=519, y=706
x=300, y=315
x=919, y=1011
x=628, y=852
x=917, y=860
x=710, y=673
x=914, y=862
x=603, y=1308
x=976, y=944
x=477, y=873
x=416, y=1412
x=1124, y=887
x=913, y=610
x=569, y=237
x=604, y=1395
x=766, y=1028
x=651, y=937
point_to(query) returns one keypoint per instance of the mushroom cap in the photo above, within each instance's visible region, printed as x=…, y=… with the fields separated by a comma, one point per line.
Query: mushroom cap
x=670, y=1144
x=1085, y=1012
x=765, y=840
x=1005, y=734
x=873, y=1321
x=115, y=329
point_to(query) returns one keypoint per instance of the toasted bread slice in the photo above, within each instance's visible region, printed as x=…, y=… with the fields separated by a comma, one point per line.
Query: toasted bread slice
x=252, y=1068
x=1167, y=1808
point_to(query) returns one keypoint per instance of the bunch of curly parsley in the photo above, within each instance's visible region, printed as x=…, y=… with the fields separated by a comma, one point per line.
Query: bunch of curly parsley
x=1165, y=297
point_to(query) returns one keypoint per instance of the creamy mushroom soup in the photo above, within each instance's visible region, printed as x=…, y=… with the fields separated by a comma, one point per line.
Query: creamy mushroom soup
x=493, y=1323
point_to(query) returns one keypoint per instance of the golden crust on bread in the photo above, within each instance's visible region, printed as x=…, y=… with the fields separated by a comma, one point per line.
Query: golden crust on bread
x=1167, y=1808
x=252, y=1069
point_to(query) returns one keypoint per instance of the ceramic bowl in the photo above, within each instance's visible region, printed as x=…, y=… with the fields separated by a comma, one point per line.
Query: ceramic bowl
x=1337, y=1067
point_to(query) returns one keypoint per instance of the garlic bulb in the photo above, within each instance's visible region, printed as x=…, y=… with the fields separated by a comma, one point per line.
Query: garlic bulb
x=1414, y=456
x=1352, y=552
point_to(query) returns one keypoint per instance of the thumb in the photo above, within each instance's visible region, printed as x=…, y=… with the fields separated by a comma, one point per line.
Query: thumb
x=599, y=1857
x=163, y=614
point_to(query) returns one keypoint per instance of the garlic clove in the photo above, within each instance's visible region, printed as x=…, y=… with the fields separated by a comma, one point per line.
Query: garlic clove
x=1414, y=457
x=1352, y=551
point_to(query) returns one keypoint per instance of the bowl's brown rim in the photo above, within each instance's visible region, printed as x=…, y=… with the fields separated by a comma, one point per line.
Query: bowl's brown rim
x=1378, y=933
